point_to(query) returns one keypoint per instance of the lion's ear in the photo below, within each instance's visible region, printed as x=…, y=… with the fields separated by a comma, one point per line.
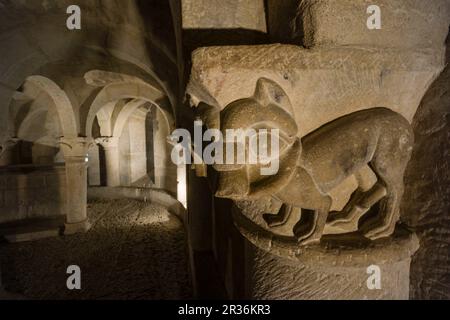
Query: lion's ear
x=269, y=92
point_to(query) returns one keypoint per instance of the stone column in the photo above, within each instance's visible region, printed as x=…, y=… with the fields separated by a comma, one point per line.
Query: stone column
x=290, y=251
x=338, y=269
x=161, y=154
x=111, y=147
x=75, y=155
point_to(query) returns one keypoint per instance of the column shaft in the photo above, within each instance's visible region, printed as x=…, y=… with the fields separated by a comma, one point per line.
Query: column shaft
x=112, y=166
x=110, y=146
x=75, y=155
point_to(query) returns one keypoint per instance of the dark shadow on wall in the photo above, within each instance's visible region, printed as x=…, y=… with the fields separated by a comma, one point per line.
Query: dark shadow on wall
x=284, y=21
x=426, y=204
x=149, y=141
x=102, y=164
x=196, y=38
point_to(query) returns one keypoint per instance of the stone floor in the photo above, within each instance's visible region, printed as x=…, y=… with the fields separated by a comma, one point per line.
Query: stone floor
x=134, y=251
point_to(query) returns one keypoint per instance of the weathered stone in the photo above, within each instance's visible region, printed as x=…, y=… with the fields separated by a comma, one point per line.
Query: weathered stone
x=404, y=23
x=311, y=168
x=322, y=85
x=374, y=82
x=343, y=96
x=235, y=14
x=426, y=205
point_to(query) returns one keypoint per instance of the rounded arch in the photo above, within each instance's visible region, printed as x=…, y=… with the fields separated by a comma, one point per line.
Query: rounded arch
x=124, y=115
x=33, y=117
x=114, y=92
x=63, y=106
x=104, y=117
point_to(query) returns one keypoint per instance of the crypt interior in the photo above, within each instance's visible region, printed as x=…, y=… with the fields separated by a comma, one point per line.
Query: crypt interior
x=87, y=170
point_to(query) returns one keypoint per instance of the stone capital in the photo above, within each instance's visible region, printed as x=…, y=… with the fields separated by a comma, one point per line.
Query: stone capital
x=260, y=87
x=75, y=147
x=108, y=142
x=8, y=143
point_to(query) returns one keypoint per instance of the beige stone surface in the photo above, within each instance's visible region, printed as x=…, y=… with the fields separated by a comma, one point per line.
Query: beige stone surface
x=220, y=14
x=337, y=269
x=310, y=168
x=344, y=68
x=426, y=205
x=322, y=84
x=32, y=192
x=274, y=278
x=404, y=23
x=121, y=80
x=328, y=23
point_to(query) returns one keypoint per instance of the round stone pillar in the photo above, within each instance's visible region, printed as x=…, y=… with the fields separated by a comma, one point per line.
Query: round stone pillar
x=351, y=268
x=111, y=147
x=75, y=155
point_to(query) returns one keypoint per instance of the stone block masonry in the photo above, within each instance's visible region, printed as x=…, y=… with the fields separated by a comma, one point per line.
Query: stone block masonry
x=30, y=192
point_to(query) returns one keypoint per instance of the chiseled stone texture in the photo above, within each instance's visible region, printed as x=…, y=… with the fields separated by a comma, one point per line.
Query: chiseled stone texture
x=220, y=14
x=321, y=23
x=427, y=195
x=322, y=85
x=32, y=192
x=335, y=269
x=275, y=278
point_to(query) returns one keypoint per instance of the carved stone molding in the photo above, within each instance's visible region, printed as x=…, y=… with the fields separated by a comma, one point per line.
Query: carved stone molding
x=75, y=147
x=332, y=209
x=108, y=142
x=312, y=167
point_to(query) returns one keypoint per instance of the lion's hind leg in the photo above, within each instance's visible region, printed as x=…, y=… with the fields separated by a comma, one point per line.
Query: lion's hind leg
x=383, y=224
x=359, y=204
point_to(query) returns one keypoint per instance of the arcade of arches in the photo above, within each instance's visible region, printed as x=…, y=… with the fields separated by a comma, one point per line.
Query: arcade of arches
x=87, y=177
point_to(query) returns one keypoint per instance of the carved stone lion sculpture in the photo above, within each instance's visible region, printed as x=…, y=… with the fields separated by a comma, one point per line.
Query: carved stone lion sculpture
x=319, y=162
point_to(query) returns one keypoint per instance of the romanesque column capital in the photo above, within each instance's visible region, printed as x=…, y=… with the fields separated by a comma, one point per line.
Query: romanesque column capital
x=8, y=143
x=108, y=142
x=76, y=147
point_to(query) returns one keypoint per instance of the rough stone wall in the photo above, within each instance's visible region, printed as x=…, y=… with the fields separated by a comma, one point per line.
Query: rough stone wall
x=219, y=14
x=32, y=192
x=322, y=23
x=323, y=27
x=427, y=196
x=275, y=278
x=137, y=156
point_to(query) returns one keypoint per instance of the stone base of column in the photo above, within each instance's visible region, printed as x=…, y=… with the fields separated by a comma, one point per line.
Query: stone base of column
x=80, y=227
x=349, y=268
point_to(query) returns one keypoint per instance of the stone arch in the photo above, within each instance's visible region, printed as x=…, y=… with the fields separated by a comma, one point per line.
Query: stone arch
x=104, y=117
x=124, y=115
x=114, y=92
x=24, y=126
x=63, y=106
